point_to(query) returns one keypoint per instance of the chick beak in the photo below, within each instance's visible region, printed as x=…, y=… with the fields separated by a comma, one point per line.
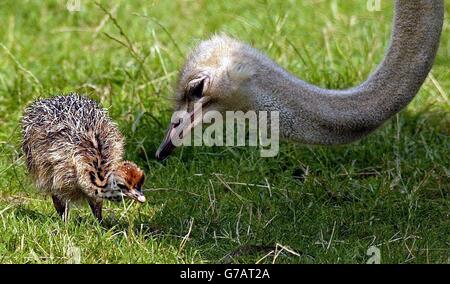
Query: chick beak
x=136, y=194
x=141, y=198
x=181, y=128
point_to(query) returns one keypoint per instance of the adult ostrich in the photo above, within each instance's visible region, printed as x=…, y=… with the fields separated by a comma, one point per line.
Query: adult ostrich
x=224, y=74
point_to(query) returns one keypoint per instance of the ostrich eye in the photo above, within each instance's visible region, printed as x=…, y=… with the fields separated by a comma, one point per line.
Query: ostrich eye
x=195, y=88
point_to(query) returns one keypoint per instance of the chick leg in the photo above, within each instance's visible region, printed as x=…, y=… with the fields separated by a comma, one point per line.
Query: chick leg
x=61, y=207
x=96, y=208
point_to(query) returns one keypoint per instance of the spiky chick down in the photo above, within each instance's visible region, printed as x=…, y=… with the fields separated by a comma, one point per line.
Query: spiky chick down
x=74, y=152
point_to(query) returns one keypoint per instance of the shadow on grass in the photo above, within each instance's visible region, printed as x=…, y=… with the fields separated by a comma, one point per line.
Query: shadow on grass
x=23, y=212
x=139, y=227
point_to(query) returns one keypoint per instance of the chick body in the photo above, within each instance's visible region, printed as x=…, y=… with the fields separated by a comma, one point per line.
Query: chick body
x=74, y=152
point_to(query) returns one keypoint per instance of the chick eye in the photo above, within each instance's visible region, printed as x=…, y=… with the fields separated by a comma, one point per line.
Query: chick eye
x=195, y=88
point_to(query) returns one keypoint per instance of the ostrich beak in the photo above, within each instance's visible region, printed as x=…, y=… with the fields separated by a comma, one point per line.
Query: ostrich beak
x=181, y=128
x=167, y=146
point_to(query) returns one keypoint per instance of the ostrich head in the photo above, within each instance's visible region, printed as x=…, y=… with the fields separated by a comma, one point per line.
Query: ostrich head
x=216, y=76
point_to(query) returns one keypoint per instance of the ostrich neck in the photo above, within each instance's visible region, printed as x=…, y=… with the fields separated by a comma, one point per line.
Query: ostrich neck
x=310, y=114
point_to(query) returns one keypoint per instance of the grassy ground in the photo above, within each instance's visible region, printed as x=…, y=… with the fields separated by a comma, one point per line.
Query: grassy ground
x=307, y=205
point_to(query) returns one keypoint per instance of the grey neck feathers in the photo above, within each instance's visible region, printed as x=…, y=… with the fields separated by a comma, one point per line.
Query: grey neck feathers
x=313, y=115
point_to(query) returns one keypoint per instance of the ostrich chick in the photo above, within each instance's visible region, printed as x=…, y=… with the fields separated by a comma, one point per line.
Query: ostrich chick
x=74, y=151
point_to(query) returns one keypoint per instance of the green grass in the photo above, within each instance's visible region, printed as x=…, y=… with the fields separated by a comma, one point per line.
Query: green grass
x=206, y=205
